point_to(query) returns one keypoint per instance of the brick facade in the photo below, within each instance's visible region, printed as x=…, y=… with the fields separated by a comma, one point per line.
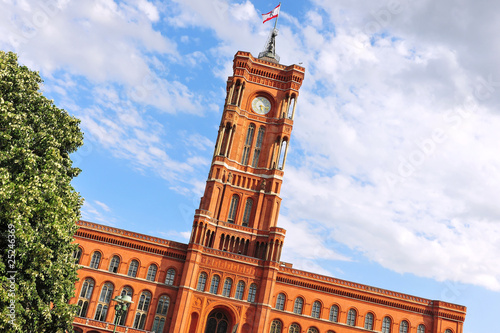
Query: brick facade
x=229, y=277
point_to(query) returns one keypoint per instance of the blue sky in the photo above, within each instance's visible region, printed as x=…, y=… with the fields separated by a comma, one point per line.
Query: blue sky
x=393, y=172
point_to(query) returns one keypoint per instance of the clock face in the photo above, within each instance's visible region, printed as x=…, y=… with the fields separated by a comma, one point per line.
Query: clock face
x=261, y=105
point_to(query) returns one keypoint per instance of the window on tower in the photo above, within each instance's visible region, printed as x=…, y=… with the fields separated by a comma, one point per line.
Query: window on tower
x=248, y=211
x=258, y=146
x=233, y=208
x=248, y=144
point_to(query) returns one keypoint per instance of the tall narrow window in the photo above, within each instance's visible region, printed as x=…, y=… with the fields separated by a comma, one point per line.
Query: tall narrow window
x=202, y=281
x=280, y=302
x=386, y=325
x=294, y=328
x=258, y=146
x=96, y=259
x=132, y=268
x=113, y=266
x=421, y=328
x=169, y=279
x=84, y=299
x=351, y=317
x=403, y=327
x=297, y=307
x=125, y=291
x=275, y=326
x=152, y=272
x=282, y=157
x=77, y=254
x=240, y=289
x=103, y=304
x=161, y=314
x=248, y=144
x=334, y=313
x=252, y=291
x=226, y=291
x=214, y=286
x=316, y=309
x=233, y=208
x=142, y=310
x=369, y=321
x=248, y=211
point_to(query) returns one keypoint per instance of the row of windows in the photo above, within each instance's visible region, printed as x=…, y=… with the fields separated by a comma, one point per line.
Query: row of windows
x=227, y=288
x=351, y=315
x=277, y=327
x=143, y=305
x=132, y=268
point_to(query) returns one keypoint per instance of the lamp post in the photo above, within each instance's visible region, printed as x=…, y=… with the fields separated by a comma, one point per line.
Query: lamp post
x=122, y=304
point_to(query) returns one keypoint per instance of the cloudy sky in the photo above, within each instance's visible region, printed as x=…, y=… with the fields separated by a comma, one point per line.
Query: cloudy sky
x=393, y=172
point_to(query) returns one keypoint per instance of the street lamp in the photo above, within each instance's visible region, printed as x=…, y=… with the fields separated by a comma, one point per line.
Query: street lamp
x=122, y=304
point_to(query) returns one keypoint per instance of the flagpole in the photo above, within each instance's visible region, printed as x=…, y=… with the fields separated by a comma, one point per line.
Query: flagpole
x=276, y=22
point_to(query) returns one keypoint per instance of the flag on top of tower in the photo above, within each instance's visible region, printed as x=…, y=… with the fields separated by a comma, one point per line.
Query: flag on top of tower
x=272, y=14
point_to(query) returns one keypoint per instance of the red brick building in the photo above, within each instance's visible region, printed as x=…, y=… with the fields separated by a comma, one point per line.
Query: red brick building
x=229, y=278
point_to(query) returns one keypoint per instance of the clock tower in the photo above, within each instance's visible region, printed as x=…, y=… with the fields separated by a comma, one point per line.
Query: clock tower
x=236, y=223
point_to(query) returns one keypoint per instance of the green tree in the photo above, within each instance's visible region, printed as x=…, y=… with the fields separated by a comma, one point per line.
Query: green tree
x=38, y=205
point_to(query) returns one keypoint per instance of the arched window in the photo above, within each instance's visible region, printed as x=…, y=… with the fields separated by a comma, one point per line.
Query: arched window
x=217, y=322
x=125, y=291
x=421, y=328
x=297, y=307
x=226, y=291
x=282, y=157
x=77, y=254
x=351, y=317
x=294, y=328
x=252, y=291
x=142, y=310
x=152, y=272
x=448, y=331
x=202, y=281
x=258, y=146
x=330, y=331
x=215, y=284
x=334, y=313
x=169, y=279
x=85, y=295
x=312, y=330
x=240, y=289
x=233, y=208
x=96, y=259
x=403, y=327
x=369, y=321
x=280, y=302
x=386, y=325
x=113, y=266
x=161, y=314
x=248, y=211
x=275, y=326
x=248, y=144
x=316, y=309
x=132, y=268
x=103, y=305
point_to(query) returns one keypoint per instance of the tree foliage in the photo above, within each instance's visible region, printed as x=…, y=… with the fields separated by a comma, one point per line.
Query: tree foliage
x=38, y=205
